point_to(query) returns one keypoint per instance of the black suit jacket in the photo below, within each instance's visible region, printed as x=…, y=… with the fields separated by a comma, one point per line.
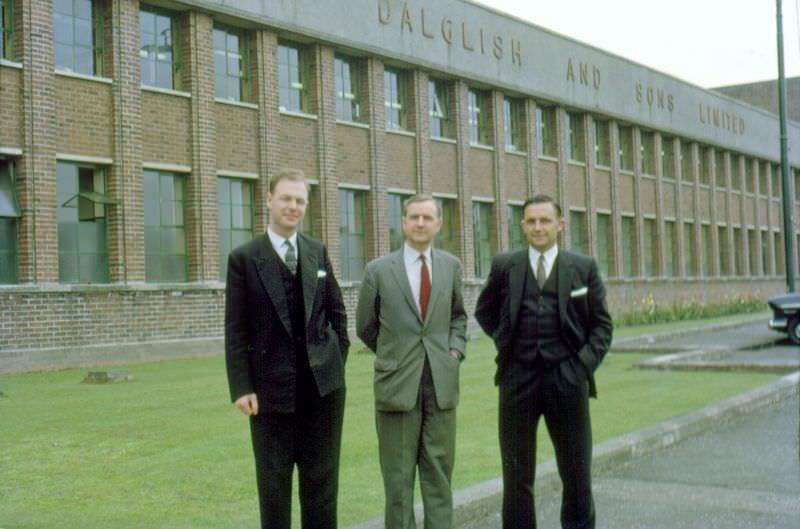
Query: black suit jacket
x=586, y=325
x=259, y=349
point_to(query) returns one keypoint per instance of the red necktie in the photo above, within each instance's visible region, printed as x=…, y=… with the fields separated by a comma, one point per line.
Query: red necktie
x=424, y=287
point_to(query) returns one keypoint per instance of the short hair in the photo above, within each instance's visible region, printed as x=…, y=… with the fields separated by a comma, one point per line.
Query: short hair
x=413, y=199
x=293, y=175
x=542, y=199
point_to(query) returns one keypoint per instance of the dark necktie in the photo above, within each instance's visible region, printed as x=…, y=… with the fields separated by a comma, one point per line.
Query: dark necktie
x=291, y=258
x=541, y=275
x=424, y=287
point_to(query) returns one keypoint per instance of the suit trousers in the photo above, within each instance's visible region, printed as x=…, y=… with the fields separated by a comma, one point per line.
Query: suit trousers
x=424, y=437
x=565, y=407
x=310, y=438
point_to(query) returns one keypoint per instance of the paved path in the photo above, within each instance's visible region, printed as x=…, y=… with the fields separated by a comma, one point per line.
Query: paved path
x=745, y=475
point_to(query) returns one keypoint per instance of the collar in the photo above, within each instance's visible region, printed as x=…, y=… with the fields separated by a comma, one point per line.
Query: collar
x=549, y=256
x=410, y=255
x=278, y=240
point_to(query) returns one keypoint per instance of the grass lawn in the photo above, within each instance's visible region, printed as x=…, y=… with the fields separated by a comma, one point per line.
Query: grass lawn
x=167, y=450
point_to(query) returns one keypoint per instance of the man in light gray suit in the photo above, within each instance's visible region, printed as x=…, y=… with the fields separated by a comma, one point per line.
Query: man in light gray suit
x=411, y=314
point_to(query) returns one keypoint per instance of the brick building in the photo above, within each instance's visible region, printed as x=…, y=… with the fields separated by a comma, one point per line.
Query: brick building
x=136, y=139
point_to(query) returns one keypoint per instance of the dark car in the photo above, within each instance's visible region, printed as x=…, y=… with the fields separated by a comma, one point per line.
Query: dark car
x=786, y=315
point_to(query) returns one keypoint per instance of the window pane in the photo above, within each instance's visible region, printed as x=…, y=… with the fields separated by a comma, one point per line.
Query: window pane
x=604, y=246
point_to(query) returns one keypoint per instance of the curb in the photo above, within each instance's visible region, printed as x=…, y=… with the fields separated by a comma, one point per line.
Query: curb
x=629, y=341
x=482, y=499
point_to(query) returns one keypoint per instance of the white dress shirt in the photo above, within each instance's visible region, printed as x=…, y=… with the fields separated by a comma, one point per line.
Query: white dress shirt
x=414, y=269
x=278, y=243
x=549, y=259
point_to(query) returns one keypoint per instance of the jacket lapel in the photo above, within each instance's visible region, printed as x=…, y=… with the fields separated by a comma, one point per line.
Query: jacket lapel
x=267, y=263
x=309, y=264
x=564, y=269
x=401, y=278
x=516, y=282
x=438, y=280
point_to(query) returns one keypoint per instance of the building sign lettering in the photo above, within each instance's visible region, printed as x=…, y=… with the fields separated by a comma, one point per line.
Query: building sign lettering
x=453, y=32
x=583, y=74
x=716, y=117
x=654, y=97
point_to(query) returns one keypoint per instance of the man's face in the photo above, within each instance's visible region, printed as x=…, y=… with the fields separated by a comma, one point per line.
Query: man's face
x=421, y=223
x=541, y=225
x=287, y=206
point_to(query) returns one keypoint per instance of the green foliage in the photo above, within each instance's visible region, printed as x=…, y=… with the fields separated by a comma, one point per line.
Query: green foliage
x=166, y=450
x=648, y=311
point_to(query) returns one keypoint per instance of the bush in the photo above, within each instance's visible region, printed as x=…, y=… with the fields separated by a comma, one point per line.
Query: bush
x=648, y=312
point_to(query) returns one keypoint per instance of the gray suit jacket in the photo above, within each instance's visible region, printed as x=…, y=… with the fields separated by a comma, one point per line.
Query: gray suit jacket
x=389, y=323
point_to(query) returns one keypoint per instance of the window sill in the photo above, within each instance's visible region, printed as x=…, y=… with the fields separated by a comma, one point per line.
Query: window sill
x=11, y=64
x=400, y=132
x=576, y=163
x=548, y=158
x=167, y=91
x=356, y=124
x=516, y=152
x=482, y=147
x=442, y=139
x=231, y=102
x=95, y=78
x=297, y=114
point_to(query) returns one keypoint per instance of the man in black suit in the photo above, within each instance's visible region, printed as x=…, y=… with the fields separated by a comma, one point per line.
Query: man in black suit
x=285, y=348
x=546, y=311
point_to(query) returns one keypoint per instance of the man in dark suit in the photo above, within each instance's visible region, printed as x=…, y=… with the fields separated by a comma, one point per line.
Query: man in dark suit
x=411, y=314
x=546, y=311
x=285, y=348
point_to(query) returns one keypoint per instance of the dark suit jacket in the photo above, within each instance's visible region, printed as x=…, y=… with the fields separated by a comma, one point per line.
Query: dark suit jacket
x=259, y=349
x=586, y=325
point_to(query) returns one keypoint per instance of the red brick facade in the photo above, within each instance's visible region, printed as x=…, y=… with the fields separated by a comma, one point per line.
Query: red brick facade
x=110, y=121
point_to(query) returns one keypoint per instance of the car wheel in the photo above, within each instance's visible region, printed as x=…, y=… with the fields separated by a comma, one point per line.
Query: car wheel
x=794, y=330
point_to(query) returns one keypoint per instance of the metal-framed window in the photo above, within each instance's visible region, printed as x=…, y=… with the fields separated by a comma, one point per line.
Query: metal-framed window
x=352, y=233
x=628, y=236
x=164, y=227
x=293, y=78
x=604, y=243
x=671, y=262
x=439, y=108
x=546, y=131
x=7, y=29
x=706, y=249
x=719, y=169
x=650, y=247
x=602, y=143
x=235, y=217
x=396, y=236
x=82, y=227
x=626, y=148
x=395, y=99
x=348, y=89
x=703, y=165
x=647, y=149
x=78, y=36
x=578, y=229
x=159, y=49
x=514, y=124
x=576, y=146
x=446, y=238
x=667, y=158
x=687, y=174
x=482, y=237
x=478, y=117
x=231, y=64
x=689, y=249
x=516, y=239
x=9, y=213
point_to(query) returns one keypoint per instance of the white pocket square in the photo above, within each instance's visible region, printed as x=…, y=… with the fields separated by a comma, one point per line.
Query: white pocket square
x=322, y=273
x=579, y=292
